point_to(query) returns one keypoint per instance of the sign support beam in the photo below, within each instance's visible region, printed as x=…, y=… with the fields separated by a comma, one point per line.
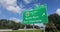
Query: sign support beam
x=44, y=28
x=25, y=28
x=33, y=28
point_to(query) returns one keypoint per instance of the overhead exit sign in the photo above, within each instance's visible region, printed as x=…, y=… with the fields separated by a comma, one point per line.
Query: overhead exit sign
x=38, y=15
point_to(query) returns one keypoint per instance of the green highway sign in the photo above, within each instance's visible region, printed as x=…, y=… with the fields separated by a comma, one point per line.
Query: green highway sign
x=38, y=15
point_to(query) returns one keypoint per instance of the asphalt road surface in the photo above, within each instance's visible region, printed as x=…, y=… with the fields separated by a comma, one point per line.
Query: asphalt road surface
x=5, y=30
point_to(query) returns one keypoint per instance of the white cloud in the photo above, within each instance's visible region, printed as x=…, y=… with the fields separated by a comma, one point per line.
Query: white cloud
x=15, y=19
x=11, y=5
x=58, y=11
x=8, y=2
x=21, y=5
x=14, y=9
x=40, y=25
x=27, y=1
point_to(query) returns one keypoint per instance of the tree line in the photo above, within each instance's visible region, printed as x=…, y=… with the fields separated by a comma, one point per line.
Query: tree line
x=10, y=24
x=53, y=22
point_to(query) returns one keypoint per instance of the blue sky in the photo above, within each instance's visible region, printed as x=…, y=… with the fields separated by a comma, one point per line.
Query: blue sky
x=13, y=9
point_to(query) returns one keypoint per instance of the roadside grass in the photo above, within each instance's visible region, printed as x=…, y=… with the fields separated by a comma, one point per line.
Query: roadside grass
x=26, y=31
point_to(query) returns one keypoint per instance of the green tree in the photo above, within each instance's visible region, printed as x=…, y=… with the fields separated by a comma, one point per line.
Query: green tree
x=55, y=19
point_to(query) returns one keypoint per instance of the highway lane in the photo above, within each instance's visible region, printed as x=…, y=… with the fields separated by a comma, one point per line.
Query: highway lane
x=1, y=30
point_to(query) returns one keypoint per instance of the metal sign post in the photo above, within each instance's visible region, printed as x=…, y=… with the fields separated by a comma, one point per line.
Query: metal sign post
x=33, y=28
x=37, y=15
x=44, y=28
x=25, y=28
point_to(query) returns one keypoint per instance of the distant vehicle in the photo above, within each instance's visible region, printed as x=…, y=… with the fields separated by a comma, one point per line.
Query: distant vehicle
x=41, y=27
x=15, y=28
